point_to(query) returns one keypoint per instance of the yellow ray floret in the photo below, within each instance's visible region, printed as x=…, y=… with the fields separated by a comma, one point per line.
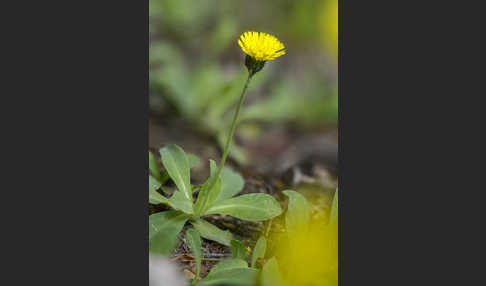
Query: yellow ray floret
x=261, y=46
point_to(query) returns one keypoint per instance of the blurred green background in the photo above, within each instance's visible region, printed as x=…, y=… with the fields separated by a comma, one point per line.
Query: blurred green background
x=197, y=68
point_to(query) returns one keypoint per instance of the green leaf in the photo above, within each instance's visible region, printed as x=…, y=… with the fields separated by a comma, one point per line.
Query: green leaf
x=270, y=274
x=192, y=160
x=298, y=212
x=153, y=184
x=194, y=241
x=154, y=167
x=154, y=196
x=233, y=277
x=163, y=230
x=211, y=232
x=231, y=184
x=252, y=207
x=206, y=197
x=176, y=163
x=179, y=202
x=226, y=264
x=259, y=250
x=238, y=249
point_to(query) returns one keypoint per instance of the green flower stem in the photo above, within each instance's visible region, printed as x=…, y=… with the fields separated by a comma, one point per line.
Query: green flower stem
x=232, y=131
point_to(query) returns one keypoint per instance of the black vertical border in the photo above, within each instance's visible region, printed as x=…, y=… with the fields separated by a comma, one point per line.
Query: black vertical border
x=77, y=102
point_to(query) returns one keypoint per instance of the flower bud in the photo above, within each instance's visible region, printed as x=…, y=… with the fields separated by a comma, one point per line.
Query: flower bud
x=253, y=65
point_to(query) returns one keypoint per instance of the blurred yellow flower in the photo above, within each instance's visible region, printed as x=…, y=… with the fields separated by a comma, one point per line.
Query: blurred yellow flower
x=261, y=46
x=310, y=257
x=329, y=25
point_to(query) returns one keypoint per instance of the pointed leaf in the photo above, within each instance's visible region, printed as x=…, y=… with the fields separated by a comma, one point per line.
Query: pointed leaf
x=206, y=197
x=298, y=212
x=163, y=230
x=238, y=249
x=192, y=160
x=194, y=241
x=233, y=277
x=154, y=197
x=227, y=264
x=154, y=167
x=212, y=232
x=176, y=163
x=153, y=184
x=154, y=170
x=179, y=202
x=231, y=184
x=270, y=274
x=259, y=250
x=252, y=207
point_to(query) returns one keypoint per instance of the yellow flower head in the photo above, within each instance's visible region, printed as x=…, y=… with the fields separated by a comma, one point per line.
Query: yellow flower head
x=261, y=46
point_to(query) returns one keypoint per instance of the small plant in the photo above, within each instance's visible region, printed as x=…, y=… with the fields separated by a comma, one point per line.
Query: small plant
x=216, y=194
x=235, y=270
x=165, y=226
